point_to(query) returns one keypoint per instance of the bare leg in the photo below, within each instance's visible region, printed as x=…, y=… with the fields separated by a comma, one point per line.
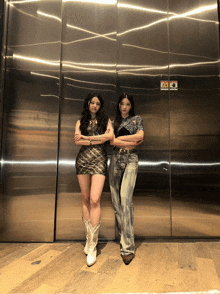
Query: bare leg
x=84, y=182
x=97, y=183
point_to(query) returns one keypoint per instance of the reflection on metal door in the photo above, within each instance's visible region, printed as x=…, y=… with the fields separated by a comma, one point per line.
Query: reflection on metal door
x=30, y=122
x=58, y=52
x=105, y=49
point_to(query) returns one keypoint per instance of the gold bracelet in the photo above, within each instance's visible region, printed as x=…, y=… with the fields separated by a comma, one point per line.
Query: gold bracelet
x=98, y=137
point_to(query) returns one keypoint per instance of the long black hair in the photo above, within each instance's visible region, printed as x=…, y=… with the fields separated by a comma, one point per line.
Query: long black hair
x=118, y=117
x=101, y=117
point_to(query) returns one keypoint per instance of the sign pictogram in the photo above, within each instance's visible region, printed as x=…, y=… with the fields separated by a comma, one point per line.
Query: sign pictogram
x=173, y=85
x=164, y=85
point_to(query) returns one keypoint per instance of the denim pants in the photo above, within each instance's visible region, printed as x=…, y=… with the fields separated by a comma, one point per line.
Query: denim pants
x=122, y=179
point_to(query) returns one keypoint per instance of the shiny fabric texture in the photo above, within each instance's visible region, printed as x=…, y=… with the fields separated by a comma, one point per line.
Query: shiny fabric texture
x=130, y=125
x=92, y=159
x=122, y=179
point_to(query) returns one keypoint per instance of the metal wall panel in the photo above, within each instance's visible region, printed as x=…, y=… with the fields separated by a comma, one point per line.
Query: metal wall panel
x=30, y=135
x=111, y=47
x=3, y=34
x=143, y=61
x=88, y=65
x=195, y=119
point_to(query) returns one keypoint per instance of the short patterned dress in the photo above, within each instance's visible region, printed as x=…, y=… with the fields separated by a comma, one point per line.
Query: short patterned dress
x=92, y=159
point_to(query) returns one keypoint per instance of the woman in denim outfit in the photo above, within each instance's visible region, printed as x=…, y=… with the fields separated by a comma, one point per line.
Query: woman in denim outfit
x=129, y=133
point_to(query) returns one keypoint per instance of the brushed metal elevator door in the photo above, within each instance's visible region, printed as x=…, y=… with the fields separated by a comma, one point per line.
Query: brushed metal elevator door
x=30, y=121
x=88, y=65
x=57, y=53
x=143, y=61
x=132, y=47
x=111, y=48
x=195, y=118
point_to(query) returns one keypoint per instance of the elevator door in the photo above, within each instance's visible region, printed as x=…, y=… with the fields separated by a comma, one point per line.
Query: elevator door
x=30, y=121
x=195, y=118
x=57, y=53
x=111, y=48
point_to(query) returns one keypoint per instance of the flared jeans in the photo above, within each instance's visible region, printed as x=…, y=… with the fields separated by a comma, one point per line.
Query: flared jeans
x=122, y=179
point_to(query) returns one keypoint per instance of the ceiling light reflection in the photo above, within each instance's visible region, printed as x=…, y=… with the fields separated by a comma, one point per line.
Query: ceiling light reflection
x=49, y=15
x=29, y=162
x=91, y=89
x=90, y=64
x=142, y=163
x=43, y=75
x=87, y=82
x=142, y=27
x=23, y=12
x=89, y=38
x=35, y=44
x=134, y=7
x=50, y=95
x=143, y=48
x=166, y=52
x=106, y=2
x=84, y=66
x=23, y=1
x=192, y=12
x=81, y=100
x=198, y=10
x=195, y=64
x=37, y=60
x=177, y=163
x=92, y=33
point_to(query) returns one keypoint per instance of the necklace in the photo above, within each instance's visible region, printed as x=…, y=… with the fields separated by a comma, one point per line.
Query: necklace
x=93, y=121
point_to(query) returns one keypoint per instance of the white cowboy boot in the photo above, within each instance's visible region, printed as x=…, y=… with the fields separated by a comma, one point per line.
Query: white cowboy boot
x=86, y=248
x=93, y=240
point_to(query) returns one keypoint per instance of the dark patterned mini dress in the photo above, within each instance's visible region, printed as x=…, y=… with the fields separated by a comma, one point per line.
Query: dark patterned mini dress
x=92, y=159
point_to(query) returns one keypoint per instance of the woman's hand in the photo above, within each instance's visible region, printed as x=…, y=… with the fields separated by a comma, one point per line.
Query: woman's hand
x=78, y=137
x=139, y=142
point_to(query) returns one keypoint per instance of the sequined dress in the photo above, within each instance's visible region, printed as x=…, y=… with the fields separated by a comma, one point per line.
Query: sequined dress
x=92, y=159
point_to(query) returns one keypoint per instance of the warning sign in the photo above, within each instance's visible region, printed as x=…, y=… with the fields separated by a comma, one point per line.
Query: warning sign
x=168, y=85
x=164, y=85
x=173, y=85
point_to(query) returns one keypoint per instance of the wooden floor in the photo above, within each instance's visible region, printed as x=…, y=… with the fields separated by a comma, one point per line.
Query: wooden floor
x=159, y=267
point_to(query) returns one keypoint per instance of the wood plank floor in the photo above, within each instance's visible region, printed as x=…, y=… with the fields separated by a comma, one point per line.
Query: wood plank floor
x=159, y=267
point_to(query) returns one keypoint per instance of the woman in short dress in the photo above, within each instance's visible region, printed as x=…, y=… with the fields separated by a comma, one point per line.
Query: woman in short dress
x=92, y=131
x=129, y=133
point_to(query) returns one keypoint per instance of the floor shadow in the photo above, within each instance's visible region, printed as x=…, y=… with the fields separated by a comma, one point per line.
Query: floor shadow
x=100, y=246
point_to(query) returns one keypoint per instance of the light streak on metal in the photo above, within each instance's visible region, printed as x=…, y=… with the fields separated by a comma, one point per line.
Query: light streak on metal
x=166, y=52
x=23, y=12
x=197, y=10
x=87, y=82
x=49, y=15
x=50, y=95
x=92, y=33
x=35, y=44
x=28, y=162
x=192, y=12
x=23, y=1
x=105, y=2
x=89, y=38
x=66, y=98
x=133, y=67
x=143, y=48
x=37, y=60
x=43, y=75
x=140, y=163
x=93, y=89
x=134, y=7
